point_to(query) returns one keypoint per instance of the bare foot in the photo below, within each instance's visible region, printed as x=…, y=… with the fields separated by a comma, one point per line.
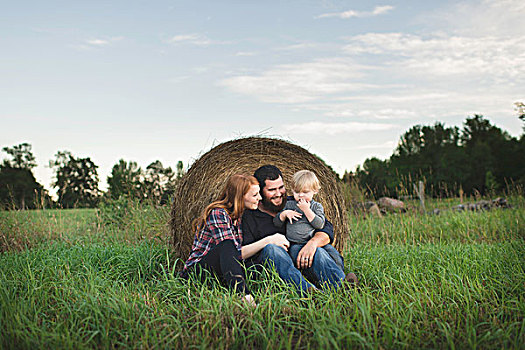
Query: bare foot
x=249, y=300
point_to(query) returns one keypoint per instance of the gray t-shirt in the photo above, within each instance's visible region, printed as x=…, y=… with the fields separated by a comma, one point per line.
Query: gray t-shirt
x=301, y=231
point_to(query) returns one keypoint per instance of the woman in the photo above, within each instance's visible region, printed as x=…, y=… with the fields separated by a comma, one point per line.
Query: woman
x=218, y=237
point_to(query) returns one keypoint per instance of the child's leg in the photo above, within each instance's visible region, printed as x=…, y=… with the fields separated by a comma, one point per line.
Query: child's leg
x=284, y=263
x=334, y=254
x=327, y=273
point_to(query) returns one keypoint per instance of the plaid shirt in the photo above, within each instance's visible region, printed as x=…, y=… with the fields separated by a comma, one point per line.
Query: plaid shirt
x=219, y=227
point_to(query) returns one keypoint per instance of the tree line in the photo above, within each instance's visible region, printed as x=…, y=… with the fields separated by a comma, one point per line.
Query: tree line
x=77, y=182
x=478, y=159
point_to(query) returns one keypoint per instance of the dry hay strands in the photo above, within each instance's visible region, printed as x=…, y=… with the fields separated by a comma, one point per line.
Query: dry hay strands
x=205, y=179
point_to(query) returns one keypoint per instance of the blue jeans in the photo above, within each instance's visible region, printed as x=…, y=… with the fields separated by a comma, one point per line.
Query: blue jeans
x=334, y=254
x=324, y=270
x=275, y=256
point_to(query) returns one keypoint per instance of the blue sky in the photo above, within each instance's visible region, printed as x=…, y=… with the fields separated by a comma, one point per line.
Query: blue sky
x=168, y=80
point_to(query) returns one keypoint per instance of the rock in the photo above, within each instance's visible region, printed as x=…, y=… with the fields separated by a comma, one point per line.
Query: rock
x=501, y=203
x=472, y=206
x=391, y=204
x=484, y=205
x=374, y=210
x=368, y=204
x=459, y=207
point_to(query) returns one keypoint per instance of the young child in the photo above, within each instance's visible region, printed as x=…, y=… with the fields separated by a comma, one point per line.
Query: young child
x=303, y=215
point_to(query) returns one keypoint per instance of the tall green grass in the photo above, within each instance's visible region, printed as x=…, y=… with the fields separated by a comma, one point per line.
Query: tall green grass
x=25, y=229
x=80, y=279
x=497, y=225
x=131, y=223
x=462, y=295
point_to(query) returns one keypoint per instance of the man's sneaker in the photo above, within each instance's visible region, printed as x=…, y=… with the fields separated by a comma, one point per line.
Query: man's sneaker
x=351, y=280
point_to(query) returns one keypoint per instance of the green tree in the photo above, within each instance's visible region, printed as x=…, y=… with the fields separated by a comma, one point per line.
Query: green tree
x=488, y=149
x=159, y=182
x=520, y=109
x=480, y=157
x=125, y=180
x=18, y=186
x=76, y=180
x=20, y=190
x=180, y=169
x=22, y=156
x=376, y=177
x=411, y=142
x=430, y=154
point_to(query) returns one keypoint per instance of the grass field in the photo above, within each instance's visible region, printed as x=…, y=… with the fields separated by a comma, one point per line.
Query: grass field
x=91, y=279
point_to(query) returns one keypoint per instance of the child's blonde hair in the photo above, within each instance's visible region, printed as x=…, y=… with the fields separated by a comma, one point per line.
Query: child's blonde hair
x=305, y=180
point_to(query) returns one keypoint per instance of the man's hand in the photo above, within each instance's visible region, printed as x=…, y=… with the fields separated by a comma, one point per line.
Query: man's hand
x=291, y=215
x=303, y=204
x=305, y=258
x=279, y=240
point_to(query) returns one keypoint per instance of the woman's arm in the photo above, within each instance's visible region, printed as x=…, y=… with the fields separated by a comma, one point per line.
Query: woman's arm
x=251, y=249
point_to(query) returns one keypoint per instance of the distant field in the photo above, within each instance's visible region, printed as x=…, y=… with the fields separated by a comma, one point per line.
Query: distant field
x=91, y=279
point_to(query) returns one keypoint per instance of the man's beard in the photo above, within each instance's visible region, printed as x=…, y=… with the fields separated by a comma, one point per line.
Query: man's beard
x=268, y=205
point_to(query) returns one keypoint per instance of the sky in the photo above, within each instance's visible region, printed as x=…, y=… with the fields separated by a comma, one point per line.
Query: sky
x=169, y=80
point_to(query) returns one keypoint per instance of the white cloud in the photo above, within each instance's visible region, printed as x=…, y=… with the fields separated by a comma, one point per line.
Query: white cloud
x=387, y=113
x=316, y=127
x=302, y=82
x=355, y=109
x=93, y=43
x=401, y=97
x=200, y=70
x=378, y=10
x=402, y=63
x=299, y=46
x=194, y=39
x=97, y=42
x=245, y=53
x=405, y=77
x=385, y=145
x=445, y=55
x=485, y=18
x=179, y=79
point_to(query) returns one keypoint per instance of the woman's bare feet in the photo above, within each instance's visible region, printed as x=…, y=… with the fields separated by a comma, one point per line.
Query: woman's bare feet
x=249, y=300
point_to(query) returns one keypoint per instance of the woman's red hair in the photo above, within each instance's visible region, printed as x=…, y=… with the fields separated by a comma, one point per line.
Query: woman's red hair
x=231, y=198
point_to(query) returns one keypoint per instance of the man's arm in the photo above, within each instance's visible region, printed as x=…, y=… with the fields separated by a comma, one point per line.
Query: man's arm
x=328, y=229
x=320, y=239
x=252, y=242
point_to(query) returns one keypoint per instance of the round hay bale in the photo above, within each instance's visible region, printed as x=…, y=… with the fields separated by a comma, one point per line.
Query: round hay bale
x=205, y=179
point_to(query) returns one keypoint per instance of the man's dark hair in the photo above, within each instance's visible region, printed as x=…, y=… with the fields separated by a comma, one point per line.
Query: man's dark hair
x=267, y=172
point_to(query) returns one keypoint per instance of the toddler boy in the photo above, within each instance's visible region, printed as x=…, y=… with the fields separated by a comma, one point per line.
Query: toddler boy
x=303, y=215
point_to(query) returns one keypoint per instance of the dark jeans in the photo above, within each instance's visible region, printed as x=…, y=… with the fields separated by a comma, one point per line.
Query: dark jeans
x=326, y=268
x=326, y=271
x=223, y=261
x=334, y=254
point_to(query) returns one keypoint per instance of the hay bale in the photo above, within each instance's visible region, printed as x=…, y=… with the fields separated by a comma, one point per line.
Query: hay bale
x=207, y=176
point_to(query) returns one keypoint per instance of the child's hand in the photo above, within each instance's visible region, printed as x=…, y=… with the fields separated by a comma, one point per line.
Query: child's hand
x=303, y=204
x=291, y=215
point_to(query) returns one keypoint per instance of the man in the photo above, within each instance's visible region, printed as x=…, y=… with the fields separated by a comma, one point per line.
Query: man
x=265, y=243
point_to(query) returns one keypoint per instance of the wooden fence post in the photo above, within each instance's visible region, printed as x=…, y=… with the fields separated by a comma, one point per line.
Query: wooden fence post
x=420, y=191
